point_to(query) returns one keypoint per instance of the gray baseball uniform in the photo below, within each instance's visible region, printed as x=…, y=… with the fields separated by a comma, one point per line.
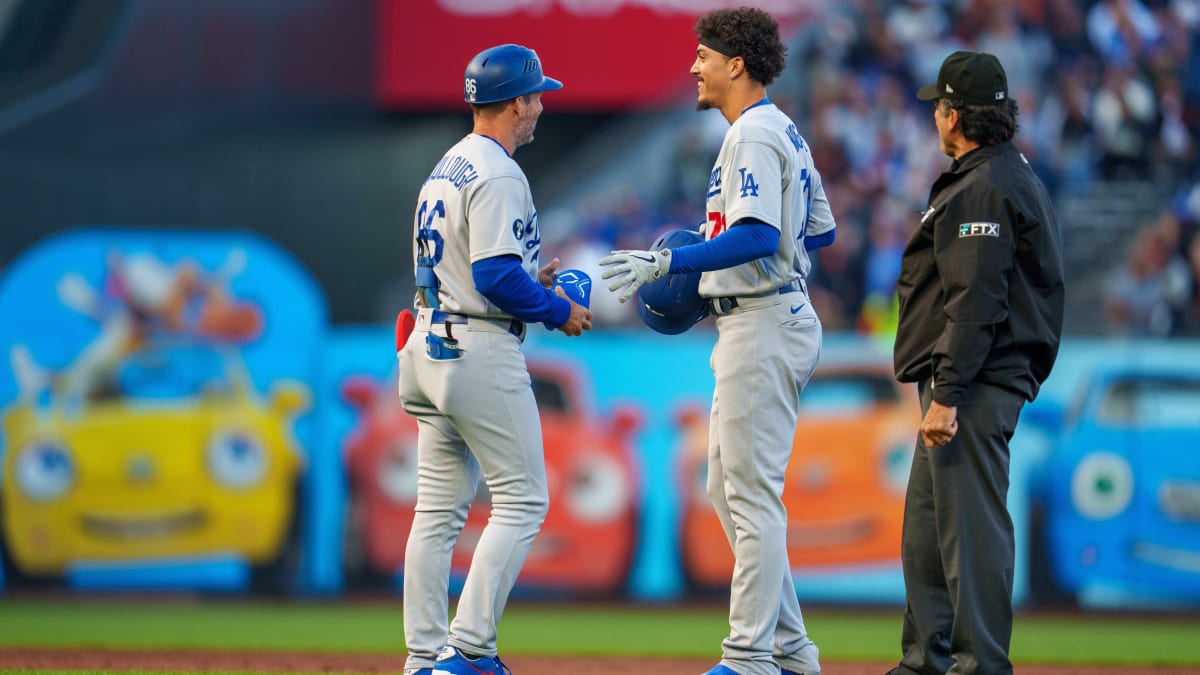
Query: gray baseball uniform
x=769, y=339
x=474, y=408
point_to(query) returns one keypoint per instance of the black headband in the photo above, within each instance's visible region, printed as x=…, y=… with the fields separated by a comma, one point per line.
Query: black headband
x=721, y=46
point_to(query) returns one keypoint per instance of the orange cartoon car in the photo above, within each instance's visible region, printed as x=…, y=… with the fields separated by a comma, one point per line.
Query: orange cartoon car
x=586, y=543
x=845, y=483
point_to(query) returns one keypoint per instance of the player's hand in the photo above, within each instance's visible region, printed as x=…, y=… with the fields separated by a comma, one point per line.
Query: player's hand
x=547, y=273
x=631, y=269
x=580, y=318
x=940, y=424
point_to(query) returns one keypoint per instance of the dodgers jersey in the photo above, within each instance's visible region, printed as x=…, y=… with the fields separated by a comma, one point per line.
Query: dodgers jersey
x=765, y=171
x=475, y=204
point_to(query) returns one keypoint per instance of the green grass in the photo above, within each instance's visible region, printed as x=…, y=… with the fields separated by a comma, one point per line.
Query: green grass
x=546, y=629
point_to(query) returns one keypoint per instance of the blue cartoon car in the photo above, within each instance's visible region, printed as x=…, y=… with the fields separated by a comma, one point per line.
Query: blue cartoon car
x=1122, y=489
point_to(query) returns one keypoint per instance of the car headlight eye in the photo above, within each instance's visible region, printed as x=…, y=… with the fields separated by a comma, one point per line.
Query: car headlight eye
x=44, y=471
x=236, y=459
x=896, y=463
x=1102, y=485
x=597, y=491
x=397, y=472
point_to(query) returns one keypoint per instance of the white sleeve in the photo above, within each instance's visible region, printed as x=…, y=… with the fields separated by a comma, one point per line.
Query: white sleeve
x=754, y=184
x=496, y=213
x=820, y=216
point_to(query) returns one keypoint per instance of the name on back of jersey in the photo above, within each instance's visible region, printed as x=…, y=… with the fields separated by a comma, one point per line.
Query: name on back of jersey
x=793, y=134
x=456, y=170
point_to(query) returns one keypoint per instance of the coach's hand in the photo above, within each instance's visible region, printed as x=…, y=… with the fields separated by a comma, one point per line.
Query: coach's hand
x=580, y=319
x=547, y=273
x=634, y=268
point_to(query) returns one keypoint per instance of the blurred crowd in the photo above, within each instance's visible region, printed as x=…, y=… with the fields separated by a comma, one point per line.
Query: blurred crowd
x=1108, y=90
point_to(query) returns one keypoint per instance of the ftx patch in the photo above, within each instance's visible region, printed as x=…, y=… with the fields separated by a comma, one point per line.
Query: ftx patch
x=979, y=230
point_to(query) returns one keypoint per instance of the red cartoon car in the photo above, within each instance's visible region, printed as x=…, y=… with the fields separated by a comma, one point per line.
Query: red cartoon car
x=845, y=483
x=587, y=541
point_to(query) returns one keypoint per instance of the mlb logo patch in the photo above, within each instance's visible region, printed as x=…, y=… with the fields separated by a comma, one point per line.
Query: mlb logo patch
x=979, y=230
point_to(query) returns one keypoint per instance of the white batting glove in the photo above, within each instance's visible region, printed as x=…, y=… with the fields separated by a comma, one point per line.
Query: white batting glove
x=634, y=268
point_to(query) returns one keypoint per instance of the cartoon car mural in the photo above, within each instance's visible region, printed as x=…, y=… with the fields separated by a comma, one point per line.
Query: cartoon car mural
x=177, y=457
x=586, y=543
x=845, y=483
x=1122, y=489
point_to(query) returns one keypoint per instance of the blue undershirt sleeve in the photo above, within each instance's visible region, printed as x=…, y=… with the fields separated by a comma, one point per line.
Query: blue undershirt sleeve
x=747, y=240
x=505, y=284
x=819, y=241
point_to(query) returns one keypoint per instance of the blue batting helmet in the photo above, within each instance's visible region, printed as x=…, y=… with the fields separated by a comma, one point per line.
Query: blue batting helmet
x=504, y=72
x=672, y=304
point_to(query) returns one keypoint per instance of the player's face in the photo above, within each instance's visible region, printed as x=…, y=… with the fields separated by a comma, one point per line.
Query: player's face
x=712, y=78
x=527, y=117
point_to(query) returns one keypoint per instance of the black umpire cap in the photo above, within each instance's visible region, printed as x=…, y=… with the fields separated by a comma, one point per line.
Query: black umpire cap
x=971, y=77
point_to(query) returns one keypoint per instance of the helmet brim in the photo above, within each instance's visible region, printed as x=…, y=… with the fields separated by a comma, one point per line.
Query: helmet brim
x=548, y=84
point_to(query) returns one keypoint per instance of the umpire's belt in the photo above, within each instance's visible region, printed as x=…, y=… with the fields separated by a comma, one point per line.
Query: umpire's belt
x=728, y=304
x=511, y=326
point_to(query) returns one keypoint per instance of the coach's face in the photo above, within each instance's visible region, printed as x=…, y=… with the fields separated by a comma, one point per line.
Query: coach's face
x=529, y=108
x=711, y=70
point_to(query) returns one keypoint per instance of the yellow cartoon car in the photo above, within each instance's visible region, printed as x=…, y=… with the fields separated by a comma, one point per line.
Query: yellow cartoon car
x=178, y=459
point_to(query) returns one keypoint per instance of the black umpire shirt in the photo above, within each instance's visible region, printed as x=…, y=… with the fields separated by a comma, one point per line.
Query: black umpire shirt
x=981, y=280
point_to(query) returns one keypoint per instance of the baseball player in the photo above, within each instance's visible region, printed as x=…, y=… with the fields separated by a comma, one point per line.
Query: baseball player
x=766, y=207
x=462, y=373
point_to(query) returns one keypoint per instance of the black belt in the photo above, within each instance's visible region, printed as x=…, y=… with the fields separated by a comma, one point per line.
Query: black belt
x=516, y=328
x=726, y=304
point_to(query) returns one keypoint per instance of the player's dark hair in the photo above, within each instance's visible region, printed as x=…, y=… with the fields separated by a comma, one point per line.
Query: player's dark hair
x=749, y=33
x=985, y=124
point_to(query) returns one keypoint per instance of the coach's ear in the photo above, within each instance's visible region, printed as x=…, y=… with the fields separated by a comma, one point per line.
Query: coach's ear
x=514, y=106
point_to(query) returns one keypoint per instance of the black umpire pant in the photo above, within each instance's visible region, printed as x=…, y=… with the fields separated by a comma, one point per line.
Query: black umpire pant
x=957, y=543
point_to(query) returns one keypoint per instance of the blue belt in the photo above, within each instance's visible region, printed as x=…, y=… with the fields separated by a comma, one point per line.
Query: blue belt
x=727, y=304
x=514, y=327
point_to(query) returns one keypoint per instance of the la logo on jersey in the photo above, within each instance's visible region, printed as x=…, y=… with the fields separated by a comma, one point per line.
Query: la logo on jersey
x=979, y=230
x=749, y=187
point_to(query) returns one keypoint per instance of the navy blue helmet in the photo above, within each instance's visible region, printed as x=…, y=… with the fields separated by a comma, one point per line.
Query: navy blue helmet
x=672, y=303
x=504, y=72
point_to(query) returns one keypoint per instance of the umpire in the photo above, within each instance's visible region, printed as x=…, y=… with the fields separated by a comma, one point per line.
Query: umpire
x=981, y=304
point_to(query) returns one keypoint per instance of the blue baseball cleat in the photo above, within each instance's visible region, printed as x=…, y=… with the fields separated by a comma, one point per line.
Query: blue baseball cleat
x=721, y=670
x=452, y=662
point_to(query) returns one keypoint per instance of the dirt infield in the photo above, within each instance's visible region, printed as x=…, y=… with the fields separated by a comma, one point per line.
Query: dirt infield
x=301, y=662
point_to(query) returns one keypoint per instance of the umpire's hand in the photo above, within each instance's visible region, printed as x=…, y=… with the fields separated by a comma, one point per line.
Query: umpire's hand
x=580, y=319
x=940, y=424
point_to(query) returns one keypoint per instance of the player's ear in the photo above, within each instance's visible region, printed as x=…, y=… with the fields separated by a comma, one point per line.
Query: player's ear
x=736, y=65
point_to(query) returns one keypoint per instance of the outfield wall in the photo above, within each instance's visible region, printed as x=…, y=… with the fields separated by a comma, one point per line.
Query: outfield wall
x=178, y=414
